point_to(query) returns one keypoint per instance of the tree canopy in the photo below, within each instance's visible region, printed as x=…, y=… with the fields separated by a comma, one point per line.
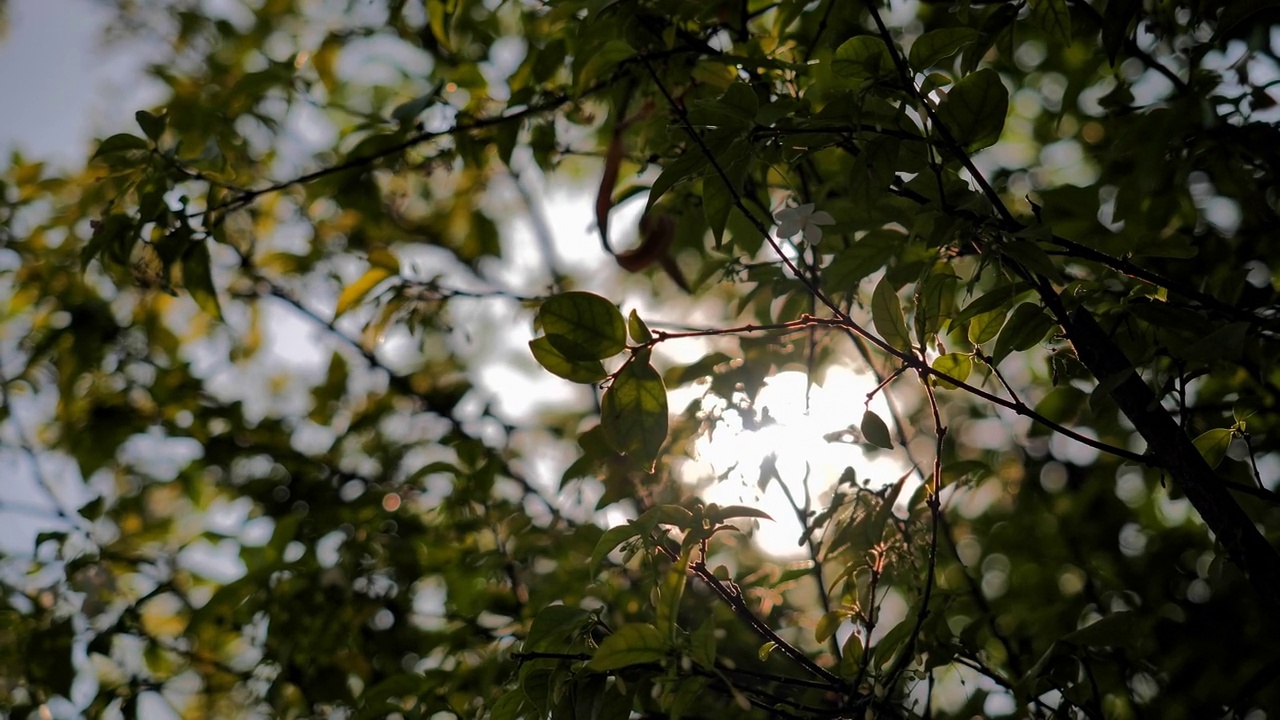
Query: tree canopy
x=268, y=361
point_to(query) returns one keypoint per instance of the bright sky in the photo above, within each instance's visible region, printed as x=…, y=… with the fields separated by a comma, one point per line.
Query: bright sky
x=60, y=86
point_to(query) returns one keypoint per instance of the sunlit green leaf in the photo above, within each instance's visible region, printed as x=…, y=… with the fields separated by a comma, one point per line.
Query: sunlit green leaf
x=637, y=328
x=886, y=313
x=956, y=365
x=355, y=292
x=1213, y=445
x=986, y=326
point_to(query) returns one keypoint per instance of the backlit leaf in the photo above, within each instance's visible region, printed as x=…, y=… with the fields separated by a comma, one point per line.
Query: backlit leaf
x=355, y=292
x=583, y=326
x=633, y=412
x=122, y=142
x=886, y=314
x=637, y=328
x=956, y=365
x=1213, y=445
x=875, y=431
x=580, y=371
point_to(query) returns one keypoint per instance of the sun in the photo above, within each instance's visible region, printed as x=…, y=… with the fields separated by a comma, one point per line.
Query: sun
x=804, y=442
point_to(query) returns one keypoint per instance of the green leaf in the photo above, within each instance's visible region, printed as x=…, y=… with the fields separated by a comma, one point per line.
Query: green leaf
x=1032, y=257
x=665, y=514
x=851, y=660
x=1213, y=445
x=863, y=58
x=355, y=292
x=998, y=297
x=601, y=63
x=1054, y=18
x=49, y=656
x=1062, y=405
x=828, y=624
x=638, y=330
x=612, y=538
x=197, y=277
x=583, y=326
x=1117, y=24
x=555, y=627
x=632, y=644
x=937, y=45
x=122, y=142
x=406, y=113
x=766, y=650
x=886, y=314
x=152, y=125
x=671, y=592
x=736, y=108
x=875, y=431
x=508, y=706
x=92, y=510
x=975, y=109
x=691, y=163
x=720, y=514
x=986, y=326
x=579, y=371
x=717, y=201
x=865, y=256
x=633, y=412
x=1026, y=327
x=956, y=365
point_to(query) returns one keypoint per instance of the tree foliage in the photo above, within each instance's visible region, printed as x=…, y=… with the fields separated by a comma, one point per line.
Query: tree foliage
x=1042, y=226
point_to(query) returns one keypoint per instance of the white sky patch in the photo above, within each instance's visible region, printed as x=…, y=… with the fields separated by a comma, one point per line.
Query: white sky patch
x=796, y=439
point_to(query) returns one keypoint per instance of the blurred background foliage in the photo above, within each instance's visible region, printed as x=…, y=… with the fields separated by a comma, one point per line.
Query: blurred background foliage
x=393, y=528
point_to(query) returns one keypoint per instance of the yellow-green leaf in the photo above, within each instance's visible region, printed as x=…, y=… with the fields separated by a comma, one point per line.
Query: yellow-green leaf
x=828, y=624
x=356, y=291
x=1213, y=445
x=886, y=314
x=987, y=325
x=638, y=329
x=956, y=365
